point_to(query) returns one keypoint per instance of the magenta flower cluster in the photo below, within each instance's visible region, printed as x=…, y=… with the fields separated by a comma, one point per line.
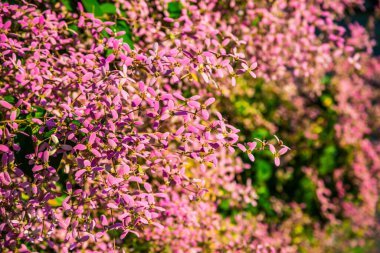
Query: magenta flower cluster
x=94, y=133
x=116, y=139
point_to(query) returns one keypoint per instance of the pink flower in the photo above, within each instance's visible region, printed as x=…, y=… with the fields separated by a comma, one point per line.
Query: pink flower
x=80, y=147
x=276, y=154
x=6, y=105
x=4, y=148
x=250, y=68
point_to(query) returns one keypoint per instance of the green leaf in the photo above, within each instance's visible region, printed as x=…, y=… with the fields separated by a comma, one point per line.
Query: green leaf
x=39, y=113
x=35, y=129
x=121, y=25
x=93, y=7
x=256, y=21
x=73, y=27
x=174, y=9
x=108, y=52
x=108, y=8
x=260, y=133
x=224, y=204
x=76, y=122
x=326, y=79
x=308, y=191
x=49, y=133
x=327, y=160
x=263, y=170
x=68, y=5
x=10, y=99
x=242, y=107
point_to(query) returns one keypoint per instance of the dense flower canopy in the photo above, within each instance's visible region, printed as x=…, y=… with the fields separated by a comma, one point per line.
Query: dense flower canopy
x=133, y=126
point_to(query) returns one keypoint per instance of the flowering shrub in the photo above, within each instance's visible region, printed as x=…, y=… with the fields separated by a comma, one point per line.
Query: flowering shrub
x=334, y=169
x=119, y=126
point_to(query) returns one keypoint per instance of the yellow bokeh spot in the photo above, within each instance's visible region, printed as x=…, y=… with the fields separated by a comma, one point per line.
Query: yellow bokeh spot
x=53, y=202
x=327, y=101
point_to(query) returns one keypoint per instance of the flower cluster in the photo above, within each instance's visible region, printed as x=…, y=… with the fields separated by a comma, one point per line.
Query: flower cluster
x=119, y=126
x=94, y=133
x=317, y=87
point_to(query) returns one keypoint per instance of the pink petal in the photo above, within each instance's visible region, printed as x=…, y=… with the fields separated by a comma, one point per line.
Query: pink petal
x=147, y=187
x=283, y=150
x=180, y=130
x=65, y=205
x=37, y=168
x=194, y=104
x=5, y=104
x=103, y=220
x=112, y=206
x=45, y=156
x=169, y=20
x=158, y=225
x=13, y=115
x=96, y=152
x=233, y=81
x=5, y=178
x=4, y=148
x=87, y=77
x=277, y=161
x=79, y=173
x=123, y=170
x=92, y=138
x=80, y=147
x=124, y=234
x=112, y=143
x=110, y=58
x=143, y=220
x=136, y=101
x=111, y=180
x=203, y=167
x=251, y=157
x=272, y=149
x=209, y=101
x=99, y=235
x=205, y=77
x=252, y=74
x=141, y=86
x=205, y=114
x=252, y=145
x=241, y=147
x=135, y=179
